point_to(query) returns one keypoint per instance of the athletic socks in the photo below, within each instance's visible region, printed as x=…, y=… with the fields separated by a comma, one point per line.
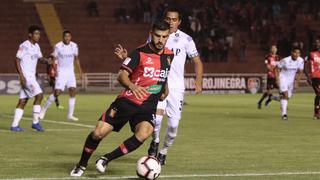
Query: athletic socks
x=50, y=99
x=17, y=117
x=263, y=97
x=36, y=113
x=157, y=127
x=89, y=147
x=72, y=101
x=127, y=146
x=284, y=104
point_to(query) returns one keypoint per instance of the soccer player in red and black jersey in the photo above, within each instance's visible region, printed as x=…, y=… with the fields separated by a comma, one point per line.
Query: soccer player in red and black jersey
x=312, y=72
x=144, y=75
x=270, y=61
x=52, y=73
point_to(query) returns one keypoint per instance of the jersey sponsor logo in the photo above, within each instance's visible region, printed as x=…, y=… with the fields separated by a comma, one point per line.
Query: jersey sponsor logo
x=152, y=72
x=154, y=89
x=126, y=61
x=149, y=61
x=176, y=51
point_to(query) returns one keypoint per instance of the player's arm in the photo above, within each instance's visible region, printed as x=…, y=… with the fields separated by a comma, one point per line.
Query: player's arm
x=124, y=80
x=198, y=68
x=121, y=52
x=307, y=69
x=298, y=77
x=165, y=92
x=19, y=70
x=77, y=61
x=277, y=72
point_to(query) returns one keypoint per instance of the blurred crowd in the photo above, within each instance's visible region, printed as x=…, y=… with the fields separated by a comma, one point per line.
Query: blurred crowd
x=220, y=27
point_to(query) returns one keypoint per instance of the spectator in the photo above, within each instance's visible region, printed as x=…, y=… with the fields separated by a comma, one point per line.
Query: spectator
x=92, y=9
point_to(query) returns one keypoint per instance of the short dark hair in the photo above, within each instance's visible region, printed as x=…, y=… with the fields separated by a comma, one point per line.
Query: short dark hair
x=160, y=25
x=33, y=28
x=295, y=48
x=172, y=9
x=66, y=32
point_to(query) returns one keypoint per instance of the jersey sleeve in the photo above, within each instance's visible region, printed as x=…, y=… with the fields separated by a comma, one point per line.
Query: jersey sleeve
x=55, y=51
x=191, y=48
x=39, y=52
x=131, y=62
x=21, y=52
x=301, y=65
x=281, y=64
x=76, y=50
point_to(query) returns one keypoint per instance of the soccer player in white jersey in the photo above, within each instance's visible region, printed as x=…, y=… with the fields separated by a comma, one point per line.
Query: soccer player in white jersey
x=182, y=45
x=288, y=73
x=27, y=58
x=66, y=53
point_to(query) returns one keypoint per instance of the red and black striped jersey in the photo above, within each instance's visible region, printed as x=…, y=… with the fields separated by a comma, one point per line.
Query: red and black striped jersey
x=314, y=61
x=147, y=69
x=271, y=61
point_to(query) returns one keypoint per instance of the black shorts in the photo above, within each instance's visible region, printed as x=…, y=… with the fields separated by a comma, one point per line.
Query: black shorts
x=271, y=83
x=122, y=110
x=316, y=85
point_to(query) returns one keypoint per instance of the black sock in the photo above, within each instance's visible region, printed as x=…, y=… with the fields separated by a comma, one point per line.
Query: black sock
x=263, y=97
x=89, y=146
x=127, y=146
x=316, y=104
x=57, y=101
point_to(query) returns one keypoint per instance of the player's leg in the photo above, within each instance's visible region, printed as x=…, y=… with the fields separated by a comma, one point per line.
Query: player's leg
x=71, y=85
x=52, y=83
x=18, y=113
x=284, y=104
x=36, y=112
x=153, y=148
x=174, y=109
x=316, y=88
x=72, y=102
x=265, y=94
x=92, y=141
x=49, y=101
x=142, y=131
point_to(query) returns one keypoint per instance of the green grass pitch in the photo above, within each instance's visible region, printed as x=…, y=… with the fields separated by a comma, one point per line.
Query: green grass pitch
x=220, y=136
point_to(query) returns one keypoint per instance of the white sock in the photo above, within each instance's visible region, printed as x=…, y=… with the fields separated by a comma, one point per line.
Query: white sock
x=17, y=117
x=171, y=134
x=157, y=127
x=284, y=104
x=72, y=101
x=36, y=112
x=50, y=100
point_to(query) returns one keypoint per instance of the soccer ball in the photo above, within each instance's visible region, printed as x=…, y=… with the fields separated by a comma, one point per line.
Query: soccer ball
x=148, y=167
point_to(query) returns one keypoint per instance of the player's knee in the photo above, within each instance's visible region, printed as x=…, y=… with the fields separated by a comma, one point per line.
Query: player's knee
x=172, y=131
x=97, y=135
x=173, y=122
x=143, y=131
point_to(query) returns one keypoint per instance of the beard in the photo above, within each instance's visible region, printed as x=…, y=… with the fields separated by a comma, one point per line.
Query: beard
x=158, y=46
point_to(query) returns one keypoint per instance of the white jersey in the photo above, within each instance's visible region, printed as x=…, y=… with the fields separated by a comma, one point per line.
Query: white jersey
x=289, y=68
x=65, y=55
x=182, y=45
x=29, y=54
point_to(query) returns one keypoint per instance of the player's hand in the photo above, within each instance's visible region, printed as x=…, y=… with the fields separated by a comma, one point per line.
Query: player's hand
x=23, y=82
x=198, y=86
x=138, y=91
x=121, y=52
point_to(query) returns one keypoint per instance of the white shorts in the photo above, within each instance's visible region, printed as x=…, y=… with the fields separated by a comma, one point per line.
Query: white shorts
x=173, y=103
x=286, y=85
x=65, y=81
x=32, y=89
